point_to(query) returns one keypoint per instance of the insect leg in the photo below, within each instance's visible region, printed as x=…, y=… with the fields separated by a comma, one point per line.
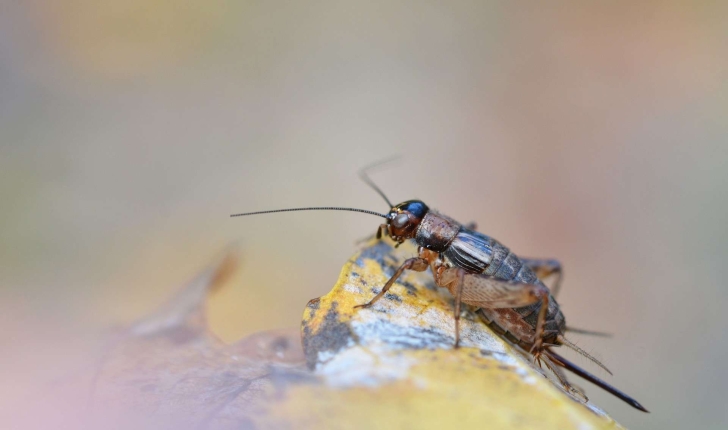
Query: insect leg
x=547, y=359
x=451, y=278
x=488, y=292
x=458, y=300
x=537, y=347
x=543, y=268
x=418, y=264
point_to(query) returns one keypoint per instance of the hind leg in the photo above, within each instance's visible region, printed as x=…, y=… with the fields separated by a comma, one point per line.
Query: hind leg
x=544, y=268
x=488, y=292
x=547, y=359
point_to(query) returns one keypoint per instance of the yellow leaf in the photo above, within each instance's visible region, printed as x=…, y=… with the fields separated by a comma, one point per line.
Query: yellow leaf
x=393, y=365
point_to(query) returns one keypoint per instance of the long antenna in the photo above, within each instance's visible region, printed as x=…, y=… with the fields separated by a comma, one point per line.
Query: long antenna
x=365, y=177
x=318, y=208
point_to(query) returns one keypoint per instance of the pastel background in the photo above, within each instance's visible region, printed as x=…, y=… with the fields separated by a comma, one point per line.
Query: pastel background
x=592, y=132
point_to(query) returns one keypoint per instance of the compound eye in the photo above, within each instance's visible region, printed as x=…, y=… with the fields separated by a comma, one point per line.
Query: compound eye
x=400, y=220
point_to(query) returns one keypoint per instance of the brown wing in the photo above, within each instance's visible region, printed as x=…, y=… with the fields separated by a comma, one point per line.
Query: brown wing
x=488, y=292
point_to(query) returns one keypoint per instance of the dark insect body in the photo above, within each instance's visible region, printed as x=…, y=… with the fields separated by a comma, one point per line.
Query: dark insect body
x=480, y=271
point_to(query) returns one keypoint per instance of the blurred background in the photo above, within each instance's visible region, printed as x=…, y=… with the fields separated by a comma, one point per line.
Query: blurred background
x=594, y=133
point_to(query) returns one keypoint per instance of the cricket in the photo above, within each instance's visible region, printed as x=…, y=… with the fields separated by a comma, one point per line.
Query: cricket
x=508, y=291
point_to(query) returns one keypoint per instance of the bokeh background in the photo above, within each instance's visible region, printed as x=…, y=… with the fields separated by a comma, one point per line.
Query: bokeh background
x=593, y=132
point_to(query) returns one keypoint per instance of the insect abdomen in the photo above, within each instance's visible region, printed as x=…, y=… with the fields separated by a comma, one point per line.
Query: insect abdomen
x=507, y=266
x=478, y=253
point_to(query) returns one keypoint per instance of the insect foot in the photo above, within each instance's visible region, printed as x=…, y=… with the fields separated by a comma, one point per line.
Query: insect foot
x=398, y=353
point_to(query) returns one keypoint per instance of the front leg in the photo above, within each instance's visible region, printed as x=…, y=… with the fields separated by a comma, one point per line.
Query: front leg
x=418, y=264
x=459, y=281
x=453, y=279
